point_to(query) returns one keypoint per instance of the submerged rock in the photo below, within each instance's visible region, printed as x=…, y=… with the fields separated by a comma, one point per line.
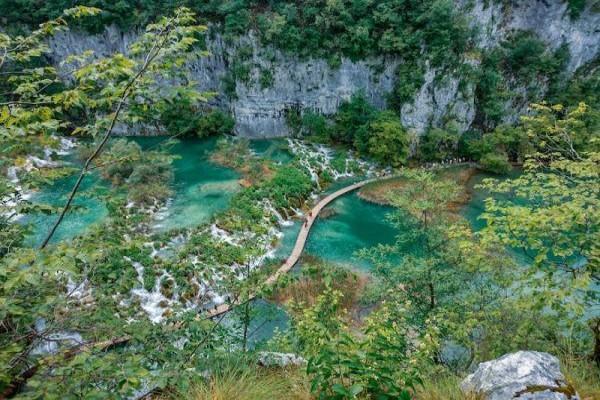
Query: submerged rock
x=274, y=359
x=526, y=375
x=327, y=212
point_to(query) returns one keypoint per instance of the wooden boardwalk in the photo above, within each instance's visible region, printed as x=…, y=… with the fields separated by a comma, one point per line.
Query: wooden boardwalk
x=300, y=240
x=310, y=219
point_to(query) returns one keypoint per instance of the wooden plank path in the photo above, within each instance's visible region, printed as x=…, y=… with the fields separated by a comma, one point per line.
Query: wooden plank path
x=300, y=241
x=305, y=230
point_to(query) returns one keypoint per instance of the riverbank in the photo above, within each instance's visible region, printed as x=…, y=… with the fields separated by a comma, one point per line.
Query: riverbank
x=379, y=192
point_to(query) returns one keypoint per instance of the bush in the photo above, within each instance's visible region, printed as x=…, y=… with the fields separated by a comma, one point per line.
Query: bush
x=288, y=188
x=183, y=118
x=120, y=159
x=496, y=163
x=352, y=119
x=438, y=144
x=388, y=140
x=520, y=61
x=315, y=124
x=266, y=78
x=215, y=122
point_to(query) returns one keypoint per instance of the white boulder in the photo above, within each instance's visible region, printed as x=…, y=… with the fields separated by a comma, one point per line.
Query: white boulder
x=524, y=375
x=274, y=359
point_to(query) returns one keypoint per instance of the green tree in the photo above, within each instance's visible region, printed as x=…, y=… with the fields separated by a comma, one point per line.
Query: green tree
x=38, y=305
x=550, y=212
x=438, y=144
x=380, y=363
x=388, y=141
x=352, y=119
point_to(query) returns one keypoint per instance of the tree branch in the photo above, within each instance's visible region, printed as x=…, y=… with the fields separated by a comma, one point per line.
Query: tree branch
x=152, y=54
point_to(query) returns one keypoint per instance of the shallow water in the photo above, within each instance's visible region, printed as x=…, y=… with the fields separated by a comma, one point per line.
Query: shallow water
x=272, y=149
x=87, y=208
x=355, y=224
x=201, y=188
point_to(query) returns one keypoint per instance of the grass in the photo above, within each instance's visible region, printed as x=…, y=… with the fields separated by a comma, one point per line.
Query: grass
x=583, y=375
x=312, y=282
x=243, y=380
x=443, y=387
x=253, y=384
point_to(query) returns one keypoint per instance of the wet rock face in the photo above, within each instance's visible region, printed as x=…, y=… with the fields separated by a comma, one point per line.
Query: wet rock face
x=526, y=375
x=313, y=84
x=549, y=19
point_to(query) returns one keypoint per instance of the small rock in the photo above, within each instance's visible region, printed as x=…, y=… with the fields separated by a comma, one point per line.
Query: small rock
x=274, y=359
x=526, y=375
x=327, y=212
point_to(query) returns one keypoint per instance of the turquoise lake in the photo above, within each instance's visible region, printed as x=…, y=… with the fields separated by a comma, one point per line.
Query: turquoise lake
x=202, y=188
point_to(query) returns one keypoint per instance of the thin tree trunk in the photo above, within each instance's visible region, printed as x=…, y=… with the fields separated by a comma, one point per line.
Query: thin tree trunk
x=19, y=381
x=152, y=54
x=595, y=325
x=246, y=323
x=246, y=313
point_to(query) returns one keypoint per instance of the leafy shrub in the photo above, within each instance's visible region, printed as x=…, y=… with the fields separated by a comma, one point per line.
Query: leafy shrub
x=382, y=364
x=215, y=122
x=288, y=188
x=496, y=163
x=351, y=121
x=521, y=60
x=120, y=159
x=315, y=124
x=438, y=144
x=266, y=79
x=409, y=78
x=146, y=174
x=182, y=118
x=388, y=140
x=584, y=86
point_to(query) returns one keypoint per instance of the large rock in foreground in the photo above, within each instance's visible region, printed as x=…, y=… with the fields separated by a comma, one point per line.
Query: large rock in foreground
x=524, y=375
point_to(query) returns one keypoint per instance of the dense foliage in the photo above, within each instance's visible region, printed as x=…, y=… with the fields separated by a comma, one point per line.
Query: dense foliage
x=120, y=311
x=42, y=303
x=557, y=226
x=521, y=61
x=357, y=124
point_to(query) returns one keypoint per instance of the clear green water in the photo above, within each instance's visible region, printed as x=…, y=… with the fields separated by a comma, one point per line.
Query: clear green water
x=201, y=188
x=272, y=149
x=476, y=205
x=268, y=318
x=356, y=224
x=88, y=208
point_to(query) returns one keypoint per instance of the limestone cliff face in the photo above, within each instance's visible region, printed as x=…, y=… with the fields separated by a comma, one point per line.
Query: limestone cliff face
x=313, y=84
x=549, y=19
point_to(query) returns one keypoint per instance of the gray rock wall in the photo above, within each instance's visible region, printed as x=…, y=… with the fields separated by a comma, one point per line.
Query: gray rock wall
x=313, y=84
x=549, y=19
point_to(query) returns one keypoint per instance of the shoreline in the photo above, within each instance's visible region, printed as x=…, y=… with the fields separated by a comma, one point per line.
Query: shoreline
x=376, y=192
